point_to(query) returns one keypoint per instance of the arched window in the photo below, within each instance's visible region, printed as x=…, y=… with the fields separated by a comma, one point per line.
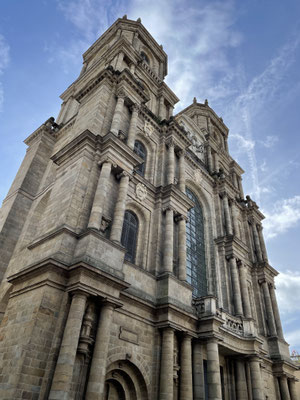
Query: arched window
x=129, y=235
x=195, y=248
x=140, y=150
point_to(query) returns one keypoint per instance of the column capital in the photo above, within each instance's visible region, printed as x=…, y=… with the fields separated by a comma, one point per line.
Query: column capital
x=181, y=153
x=170, y=142
x=228, y=258
x=181, y=217
x=262, y=280
x=259, y=227
x=79, y=293
x=223, y=195
x=135, y=108
x=121, y=93
x=169, y=208
x=124, y=174
x=187, y=335
x=254, y=358
x=111, y=303
x=106, y=160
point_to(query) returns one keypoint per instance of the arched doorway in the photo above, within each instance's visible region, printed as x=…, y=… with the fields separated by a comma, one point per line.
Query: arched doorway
x=124, y=381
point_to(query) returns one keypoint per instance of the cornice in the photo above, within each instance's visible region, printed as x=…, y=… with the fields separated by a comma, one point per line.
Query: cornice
x=91, y=85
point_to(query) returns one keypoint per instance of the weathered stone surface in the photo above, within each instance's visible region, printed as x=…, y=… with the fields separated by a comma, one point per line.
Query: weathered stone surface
x=98, y=308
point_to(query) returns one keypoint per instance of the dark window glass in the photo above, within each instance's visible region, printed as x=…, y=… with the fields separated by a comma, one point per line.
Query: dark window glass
x=129, y=235
x=205, y=379
x=140, y=150
x=195, y=248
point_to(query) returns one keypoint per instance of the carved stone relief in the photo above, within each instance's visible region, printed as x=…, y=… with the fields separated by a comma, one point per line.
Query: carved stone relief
x=141, y=191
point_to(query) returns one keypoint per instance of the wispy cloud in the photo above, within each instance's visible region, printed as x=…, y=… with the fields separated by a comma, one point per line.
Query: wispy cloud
x=197, y=38
x=269, y=141
x=284, y=215
x=4, y=60
x=253, y=97
x=90, y=18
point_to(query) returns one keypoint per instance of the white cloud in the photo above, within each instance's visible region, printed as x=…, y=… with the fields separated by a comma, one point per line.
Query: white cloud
x=197, y=40
x=90, y=18
x=4, y=60
x=269, y=141
x=293, y=338
x=284, y=215
x=288, y=297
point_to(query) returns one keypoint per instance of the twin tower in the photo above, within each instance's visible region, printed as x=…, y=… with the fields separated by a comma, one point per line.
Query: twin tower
x=132, y=266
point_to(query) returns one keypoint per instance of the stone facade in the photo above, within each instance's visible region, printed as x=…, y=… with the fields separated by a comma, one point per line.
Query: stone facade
x=82, y=317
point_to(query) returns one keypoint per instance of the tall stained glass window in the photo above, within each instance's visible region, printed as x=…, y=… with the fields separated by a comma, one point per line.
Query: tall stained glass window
x=129, y=235
x=195, y=248
x=140, y=150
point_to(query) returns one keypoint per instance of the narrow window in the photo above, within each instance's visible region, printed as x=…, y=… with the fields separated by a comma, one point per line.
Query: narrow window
x=195, y=248
x=129, y=235
x=140, y=150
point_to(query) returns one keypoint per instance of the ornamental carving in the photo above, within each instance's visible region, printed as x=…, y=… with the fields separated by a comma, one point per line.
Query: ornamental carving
x=148, y=129
x=198, y=176
x=141, y=191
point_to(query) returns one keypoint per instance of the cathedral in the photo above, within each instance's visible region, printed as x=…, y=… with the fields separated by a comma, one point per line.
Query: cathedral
x=132, y=265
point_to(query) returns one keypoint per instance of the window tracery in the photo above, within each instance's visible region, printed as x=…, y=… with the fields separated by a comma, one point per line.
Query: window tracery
x=195, y=248
x=140, y=150
x=129, y=235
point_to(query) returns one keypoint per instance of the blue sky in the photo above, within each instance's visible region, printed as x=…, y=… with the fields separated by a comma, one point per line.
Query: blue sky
x=243, y=56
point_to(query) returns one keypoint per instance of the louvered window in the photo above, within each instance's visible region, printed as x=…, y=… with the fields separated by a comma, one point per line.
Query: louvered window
x=195, y=248
x=129, y=235
x=140, y=150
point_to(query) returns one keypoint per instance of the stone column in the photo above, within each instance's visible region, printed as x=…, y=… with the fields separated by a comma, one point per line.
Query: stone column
x=161, y=111
x=213, y=370
x=235, y=218
x=96, y=380
x=276, y=311
x=182, y=247
x=248, y=376
x=216, y=161
x=198, y=373
x=240, y=187
x=167, y=365
x=171, y=162
x=117, y=224
x=132, y=126
x=256, y=242
x=235, y=287
x=244, y=290
x=293, y=389
x=256, y=380
x=209, y=159
x=269, y=309
x=115, y=125
x=226, y=144
x=284, y=389
x=227, y=214
x=100, y=196
x=262, y=243
x=241, y=383
x=182, y=170
x=186, y=378
x=169, y=237
x=235, y=180
x=61, y=383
